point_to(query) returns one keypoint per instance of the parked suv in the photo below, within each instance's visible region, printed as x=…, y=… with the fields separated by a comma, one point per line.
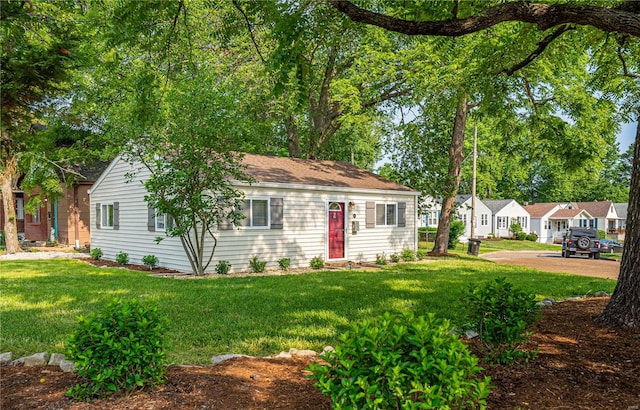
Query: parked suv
x=581, y=241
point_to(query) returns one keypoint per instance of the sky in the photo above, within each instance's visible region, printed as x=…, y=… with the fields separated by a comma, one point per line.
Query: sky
x=626, y=135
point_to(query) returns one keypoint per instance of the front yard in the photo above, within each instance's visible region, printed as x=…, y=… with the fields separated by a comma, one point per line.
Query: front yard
x=252, y=315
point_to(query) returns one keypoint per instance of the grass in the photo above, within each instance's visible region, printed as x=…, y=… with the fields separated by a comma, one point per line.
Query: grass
x=264, y=315
x=487, y=246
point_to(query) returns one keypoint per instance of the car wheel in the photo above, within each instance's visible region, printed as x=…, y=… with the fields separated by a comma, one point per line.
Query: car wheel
x=566, y=254
x=596, y=255
x=583, y=242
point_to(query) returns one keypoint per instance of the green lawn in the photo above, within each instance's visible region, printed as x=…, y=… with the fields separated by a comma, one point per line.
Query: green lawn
x=40, y=301
x=487, y=246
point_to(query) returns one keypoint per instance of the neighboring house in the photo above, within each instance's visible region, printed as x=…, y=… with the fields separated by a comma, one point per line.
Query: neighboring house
x=301, y=209
x=64, y=219
x=621, y=210
x=604, y=215
x=483, y=216
x=541, y=223
x=566, y=217
x=504, y=213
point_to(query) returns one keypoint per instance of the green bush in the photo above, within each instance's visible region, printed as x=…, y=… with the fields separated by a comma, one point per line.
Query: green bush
x=602, y=234
x=150, y=260
x=421, y=254
x=515, y=229
x=408, y=255
x=402, y=362
x=284, y=263
x=502, y=315
x=381, y=259
x=455, y=231
x=119, y=348
x=394, y=257
x=257, y=265
x=316, y=263
x=521, y=236
x=532, y=237
x=96, y=253
x=122, y=258
x=223, y=267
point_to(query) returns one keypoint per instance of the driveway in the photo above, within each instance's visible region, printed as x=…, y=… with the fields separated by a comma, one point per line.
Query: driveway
x=554, y=262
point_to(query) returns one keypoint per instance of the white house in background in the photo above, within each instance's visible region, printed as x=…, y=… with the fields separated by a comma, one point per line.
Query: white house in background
x=299, y=209
x=504, y=213
x=540, y=222
x=564, y=218
x=621, y=210
x=483, y=216
x=603, y=213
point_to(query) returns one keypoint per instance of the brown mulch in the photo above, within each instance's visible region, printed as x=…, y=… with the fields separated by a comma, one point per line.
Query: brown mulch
x=580, y=366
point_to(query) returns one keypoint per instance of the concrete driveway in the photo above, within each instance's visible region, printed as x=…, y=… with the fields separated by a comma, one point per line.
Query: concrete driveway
x=554, y=262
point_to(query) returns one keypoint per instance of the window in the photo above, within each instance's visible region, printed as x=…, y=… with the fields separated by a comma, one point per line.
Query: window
x=20, y=208
x=547, y=224
x=106, y=214
x=433, y=218
x=502, y=222
x=386, y=214
x=522, y=220
x=161, y=221
x=464, y=219
x=256, y=212
x=484, y=220
x=35, y=218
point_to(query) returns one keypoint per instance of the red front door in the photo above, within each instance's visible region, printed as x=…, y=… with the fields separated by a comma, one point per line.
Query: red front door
x=336, y=230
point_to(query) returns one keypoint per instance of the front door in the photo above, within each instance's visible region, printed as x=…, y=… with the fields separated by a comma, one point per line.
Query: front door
x=336, y=230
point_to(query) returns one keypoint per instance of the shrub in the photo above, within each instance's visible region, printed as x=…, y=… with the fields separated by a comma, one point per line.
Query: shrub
x=284, y=263
x=223, y=267
x=421, y=254
x=408, y=255
x=122, y=258
x=316, y=262
x=402, y=362
x=257, y=265
x=119, y=348
x=491, y=235
x=502, y=315
x=150, y=260
x=602, y=234
x=532, y=237
x=381, y=259
x=455, y=231
x=521, y=236
x=96, y=253
x=515, y=229
x=394, y=257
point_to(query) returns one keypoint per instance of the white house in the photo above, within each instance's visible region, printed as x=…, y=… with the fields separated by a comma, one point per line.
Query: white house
x=605, y=216
x=299, y=209
x=540, y=222
x=483, y=216
x=504, y=213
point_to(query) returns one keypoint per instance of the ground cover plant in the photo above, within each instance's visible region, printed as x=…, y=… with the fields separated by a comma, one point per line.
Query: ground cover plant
x=253, y=315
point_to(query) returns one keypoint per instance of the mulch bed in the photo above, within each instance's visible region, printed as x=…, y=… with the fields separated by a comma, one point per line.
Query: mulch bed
x=580, y=366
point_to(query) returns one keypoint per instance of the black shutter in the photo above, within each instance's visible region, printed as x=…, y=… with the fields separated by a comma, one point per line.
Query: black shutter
x=98, y=216
x=370, y=215
x=116, y=215
x=151, y=219
x=402, y=214
x=277, y=216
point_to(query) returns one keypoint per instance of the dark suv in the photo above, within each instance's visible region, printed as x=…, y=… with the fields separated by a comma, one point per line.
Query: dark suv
x=581, y=241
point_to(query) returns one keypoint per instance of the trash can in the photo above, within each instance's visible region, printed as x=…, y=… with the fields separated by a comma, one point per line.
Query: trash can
x=474, y=247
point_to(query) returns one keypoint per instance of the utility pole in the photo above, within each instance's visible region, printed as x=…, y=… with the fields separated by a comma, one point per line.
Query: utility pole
x=473, y=184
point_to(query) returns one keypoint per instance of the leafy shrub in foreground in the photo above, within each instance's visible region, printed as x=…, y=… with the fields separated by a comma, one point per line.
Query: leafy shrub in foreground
x=381, y=259
x=394, y=257
x=532, y=237
x=402, y=362
x=502, y=315
x=122, y=258
x=223, y=267
x=284, y=263
x=96, y=253
x=408, y=255
x=150, y=260
x=119, y=348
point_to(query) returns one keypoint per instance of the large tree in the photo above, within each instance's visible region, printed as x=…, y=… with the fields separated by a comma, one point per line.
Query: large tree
x=622, y=17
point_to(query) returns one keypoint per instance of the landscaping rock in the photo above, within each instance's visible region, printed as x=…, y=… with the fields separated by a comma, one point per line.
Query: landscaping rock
x=470, y=334
x=302, y=353
x=222, y=358
x=284, y=355
x=5, y=358
x=56, y=359
x=548, y=302
x=67, y=366
x=38, y=359
x=600, y=294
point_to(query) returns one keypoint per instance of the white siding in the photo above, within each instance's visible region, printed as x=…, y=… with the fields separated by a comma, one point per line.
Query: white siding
x=304, y=234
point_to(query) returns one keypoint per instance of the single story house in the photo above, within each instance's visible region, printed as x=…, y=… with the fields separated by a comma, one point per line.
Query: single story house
x=64, y=219
x=300, y=209
x=541, y=223
x=621, y=210
x=483, y=216
x=604, y=214
x=504, y=213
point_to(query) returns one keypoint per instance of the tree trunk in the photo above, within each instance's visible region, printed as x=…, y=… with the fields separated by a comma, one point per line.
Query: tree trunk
x=623, y=309
x=456, y=155
x=293, y=138
x=7, y=177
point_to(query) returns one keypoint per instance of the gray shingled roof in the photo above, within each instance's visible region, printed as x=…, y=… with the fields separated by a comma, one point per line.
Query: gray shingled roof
x=621, y=210
x=497, y=204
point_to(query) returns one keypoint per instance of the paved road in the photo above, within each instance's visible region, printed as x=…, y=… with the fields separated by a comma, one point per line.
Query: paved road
x=554, y=262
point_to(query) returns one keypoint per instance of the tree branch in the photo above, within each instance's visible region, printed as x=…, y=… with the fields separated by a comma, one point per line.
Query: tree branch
x=625, y=70
x=624, y=18
x=542, y=45
x=248, y=23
